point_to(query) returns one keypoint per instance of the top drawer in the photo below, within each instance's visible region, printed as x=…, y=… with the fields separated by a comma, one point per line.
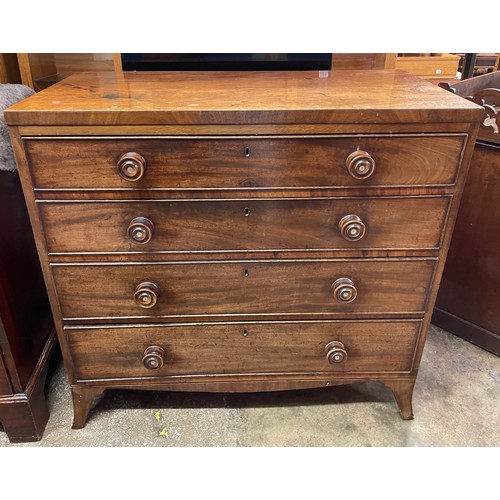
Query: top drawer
x=242, y=163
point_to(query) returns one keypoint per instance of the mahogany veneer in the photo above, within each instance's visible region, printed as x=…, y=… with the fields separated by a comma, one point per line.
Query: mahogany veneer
x=467, y=303
x=242, y=231
x=27, y=335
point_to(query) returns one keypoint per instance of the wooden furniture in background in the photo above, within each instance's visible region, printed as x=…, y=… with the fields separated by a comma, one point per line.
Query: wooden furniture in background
x=478, y=64
x=468, y=301
x=39, y=71
x=219, y=239
x=27, y=335
x=354, y=61
x=428, y=66
x=9, y=68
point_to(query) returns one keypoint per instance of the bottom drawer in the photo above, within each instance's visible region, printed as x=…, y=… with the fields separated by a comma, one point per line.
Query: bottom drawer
x=242, y=348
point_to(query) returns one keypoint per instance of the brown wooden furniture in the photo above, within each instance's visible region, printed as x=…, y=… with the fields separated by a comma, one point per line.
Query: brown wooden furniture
x=41, y=70
x=429, y=66
x=477, y=64
x=9, y=69
x=242, y=231
x=27, y=335
x=468, y=301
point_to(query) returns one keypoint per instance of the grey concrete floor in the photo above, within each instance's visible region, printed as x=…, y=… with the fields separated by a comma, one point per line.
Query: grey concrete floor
x=456, y=403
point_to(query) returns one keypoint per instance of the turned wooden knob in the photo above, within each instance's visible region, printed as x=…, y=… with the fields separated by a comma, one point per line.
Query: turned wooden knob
x=131, y=166
x=153, y=357
x=360, y=165
x=335, y=352
x=344, y=290
x=352, y=228
x=146, y=294
x=140, y=230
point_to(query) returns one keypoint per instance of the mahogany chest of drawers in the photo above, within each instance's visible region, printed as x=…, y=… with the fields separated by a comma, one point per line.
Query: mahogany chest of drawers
x=242, y=231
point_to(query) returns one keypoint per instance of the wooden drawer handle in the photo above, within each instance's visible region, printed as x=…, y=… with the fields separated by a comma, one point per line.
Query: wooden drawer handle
x=335, y=352
x=153, y=357
x=131, y=167
x=140, y=230
x=146, y=294
x=352, y=228
x=344, y=290
x=360, y=165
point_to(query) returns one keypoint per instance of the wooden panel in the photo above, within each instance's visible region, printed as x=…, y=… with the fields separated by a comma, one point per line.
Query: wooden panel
x=345, y=61
x=24, y=305
x=390, y=61
x=117, y=63
x=34, y=67
x=9, y=68
x=391, y=223
x=5, y=388
x=246, y=287
x=228, y=164
x=232, y=348
x=147, y=98
x=442, y=66
x=470, y=286
x=28, y=131
x=76, y=63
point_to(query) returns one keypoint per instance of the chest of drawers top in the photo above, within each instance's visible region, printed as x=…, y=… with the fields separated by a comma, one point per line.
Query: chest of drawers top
x=208, y=98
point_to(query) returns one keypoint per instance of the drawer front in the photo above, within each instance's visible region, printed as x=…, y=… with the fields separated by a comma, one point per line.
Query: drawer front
x=381, y=223
x=239, y=348
x=242, y=288
x=238, y=163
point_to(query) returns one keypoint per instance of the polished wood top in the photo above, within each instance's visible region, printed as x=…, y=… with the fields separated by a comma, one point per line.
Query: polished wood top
x=147, y=98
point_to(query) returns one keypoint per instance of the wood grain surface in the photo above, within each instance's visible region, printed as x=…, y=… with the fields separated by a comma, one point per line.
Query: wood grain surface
x=257, y=225
x=143, y=98
x=265, y=348
x=221, y=163
x=242, y=288
x=242, y=188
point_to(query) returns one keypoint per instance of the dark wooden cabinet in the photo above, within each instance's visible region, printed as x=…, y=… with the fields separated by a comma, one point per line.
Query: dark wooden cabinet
x=27, y=332
x=468, y=301
x=242, y=231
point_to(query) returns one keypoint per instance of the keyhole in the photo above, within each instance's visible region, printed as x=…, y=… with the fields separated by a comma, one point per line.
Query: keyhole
x=247, y=212
x=245, y=333
x=245, y=272
x=247, y=152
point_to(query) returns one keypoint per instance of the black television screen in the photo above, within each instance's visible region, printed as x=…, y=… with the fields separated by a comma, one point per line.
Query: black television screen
x=226, y=62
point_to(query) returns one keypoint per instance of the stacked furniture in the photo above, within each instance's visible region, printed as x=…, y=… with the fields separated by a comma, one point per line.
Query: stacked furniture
x=27, y=334
x=242, y=231
x=467, y=304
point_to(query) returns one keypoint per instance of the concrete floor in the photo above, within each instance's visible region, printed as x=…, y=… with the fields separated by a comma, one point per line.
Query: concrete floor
x=456, y=403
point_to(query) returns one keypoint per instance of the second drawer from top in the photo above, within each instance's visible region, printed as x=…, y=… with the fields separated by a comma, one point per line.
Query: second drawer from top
x=397, y=223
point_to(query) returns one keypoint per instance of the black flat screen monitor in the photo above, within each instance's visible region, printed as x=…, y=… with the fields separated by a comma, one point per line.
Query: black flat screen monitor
x=226, y=62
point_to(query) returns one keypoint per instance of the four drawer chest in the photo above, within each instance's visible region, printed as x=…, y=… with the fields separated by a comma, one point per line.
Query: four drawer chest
x=239, y=232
